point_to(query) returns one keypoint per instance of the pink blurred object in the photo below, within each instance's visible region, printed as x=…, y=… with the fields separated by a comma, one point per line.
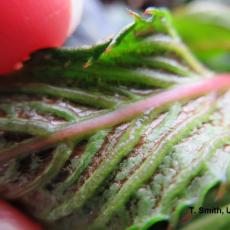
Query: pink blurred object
x=12, y=219
x=27, y=26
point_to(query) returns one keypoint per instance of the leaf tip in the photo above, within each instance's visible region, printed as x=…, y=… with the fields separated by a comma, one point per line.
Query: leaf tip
x=135, y=15
x=87, y=64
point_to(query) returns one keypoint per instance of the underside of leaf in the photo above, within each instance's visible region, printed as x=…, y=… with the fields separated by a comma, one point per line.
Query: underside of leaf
x=164, y=145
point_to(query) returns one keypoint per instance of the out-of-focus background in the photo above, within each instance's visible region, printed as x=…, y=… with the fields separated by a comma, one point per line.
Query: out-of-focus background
x=103, y=18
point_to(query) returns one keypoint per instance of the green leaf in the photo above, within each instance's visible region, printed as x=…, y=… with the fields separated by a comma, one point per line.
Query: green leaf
x=205, y=27
x=156, y=155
